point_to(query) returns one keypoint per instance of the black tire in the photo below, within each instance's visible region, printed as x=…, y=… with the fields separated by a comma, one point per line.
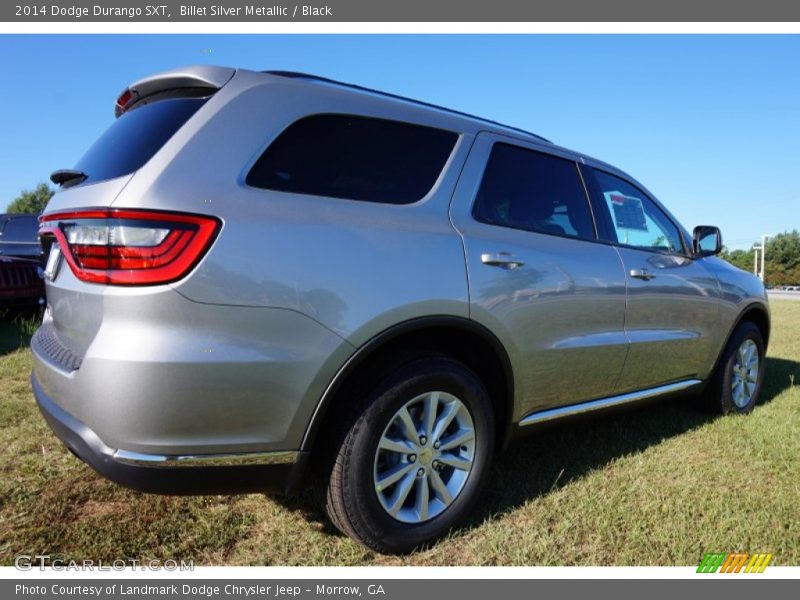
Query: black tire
x=719, y=397
x=352, y=501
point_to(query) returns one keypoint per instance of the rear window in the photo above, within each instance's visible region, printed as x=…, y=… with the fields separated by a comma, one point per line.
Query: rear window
x=135, y=137
x=20, y=229
x=355, y=158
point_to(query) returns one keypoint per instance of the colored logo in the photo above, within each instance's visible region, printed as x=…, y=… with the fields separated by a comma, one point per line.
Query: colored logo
x=739, y=562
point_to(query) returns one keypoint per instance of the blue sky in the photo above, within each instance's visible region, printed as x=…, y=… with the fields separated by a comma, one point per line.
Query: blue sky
x=710, y=124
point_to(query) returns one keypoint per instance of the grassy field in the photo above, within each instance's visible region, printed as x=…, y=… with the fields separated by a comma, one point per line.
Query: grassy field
x=655, y=486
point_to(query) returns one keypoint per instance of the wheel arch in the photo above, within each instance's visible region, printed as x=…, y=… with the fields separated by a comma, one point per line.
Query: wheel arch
x=458, y=337
x=756, y=313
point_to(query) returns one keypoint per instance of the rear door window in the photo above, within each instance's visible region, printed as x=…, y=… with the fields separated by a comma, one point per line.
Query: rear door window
x=355, y=158
x=135, y=137
x=530, y=190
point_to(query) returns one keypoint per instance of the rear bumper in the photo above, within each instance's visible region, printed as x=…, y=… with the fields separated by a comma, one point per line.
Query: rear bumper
x=235, y=473
x=154, y=373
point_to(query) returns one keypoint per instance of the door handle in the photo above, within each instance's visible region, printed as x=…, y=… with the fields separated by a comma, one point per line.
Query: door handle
x=501, y=259
x=642, y=274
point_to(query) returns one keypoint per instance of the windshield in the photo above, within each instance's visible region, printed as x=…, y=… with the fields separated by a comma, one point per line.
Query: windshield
x=20, y=229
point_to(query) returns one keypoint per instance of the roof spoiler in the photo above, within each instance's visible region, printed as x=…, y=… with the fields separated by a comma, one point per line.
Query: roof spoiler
x=192, y=77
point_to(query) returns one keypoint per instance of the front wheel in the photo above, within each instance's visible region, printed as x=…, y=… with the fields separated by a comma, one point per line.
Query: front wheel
x=737, y=381
x=412, y=465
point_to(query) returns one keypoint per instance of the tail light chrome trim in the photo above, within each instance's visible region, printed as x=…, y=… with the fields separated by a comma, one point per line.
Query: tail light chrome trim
x=130, y=246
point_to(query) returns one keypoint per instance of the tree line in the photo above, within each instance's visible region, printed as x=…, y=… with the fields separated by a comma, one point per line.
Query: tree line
x=32, y=201
x=782, y=259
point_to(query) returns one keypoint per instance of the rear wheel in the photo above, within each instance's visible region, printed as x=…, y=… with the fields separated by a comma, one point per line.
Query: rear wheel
x=413, y=463
x=736, y=384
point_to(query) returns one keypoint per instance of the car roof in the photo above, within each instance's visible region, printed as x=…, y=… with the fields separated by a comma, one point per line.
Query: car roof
x=358, y=88
x=494, y=126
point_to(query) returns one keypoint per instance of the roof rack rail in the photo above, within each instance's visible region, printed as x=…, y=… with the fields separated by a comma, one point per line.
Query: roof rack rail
x=298, y=75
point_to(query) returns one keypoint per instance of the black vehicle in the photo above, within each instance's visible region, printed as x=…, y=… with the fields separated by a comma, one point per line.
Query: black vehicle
x=20, y=261
x=19, y=236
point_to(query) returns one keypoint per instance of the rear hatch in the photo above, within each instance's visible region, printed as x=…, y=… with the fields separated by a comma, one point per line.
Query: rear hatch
x=148, y=114
x=92, y=249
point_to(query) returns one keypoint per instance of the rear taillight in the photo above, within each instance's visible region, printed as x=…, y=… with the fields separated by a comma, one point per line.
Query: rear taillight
x=130, y=247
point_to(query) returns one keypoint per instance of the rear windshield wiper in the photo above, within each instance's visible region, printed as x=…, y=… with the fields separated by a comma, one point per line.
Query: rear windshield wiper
x=67, y=177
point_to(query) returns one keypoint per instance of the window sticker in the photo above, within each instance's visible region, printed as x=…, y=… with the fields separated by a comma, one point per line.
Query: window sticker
x=628, y=211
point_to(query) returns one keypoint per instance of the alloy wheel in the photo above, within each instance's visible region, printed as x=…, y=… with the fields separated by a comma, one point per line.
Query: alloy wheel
x=744, y=377
x=424, y=457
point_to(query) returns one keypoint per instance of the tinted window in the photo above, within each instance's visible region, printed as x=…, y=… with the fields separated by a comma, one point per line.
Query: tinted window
x=637, y=220
x=356, y=158
x=135, y=137
x=21, y=229
x=533, y=191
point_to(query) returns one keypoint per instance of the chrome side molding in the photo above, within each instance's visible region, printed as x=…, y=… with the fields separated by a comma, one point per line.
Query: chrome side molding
x=584, y=407
x=205, y=460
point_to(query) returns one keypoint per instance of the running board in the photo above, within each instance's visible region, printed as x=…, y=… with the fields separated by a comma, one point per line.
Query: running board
x=584, y=407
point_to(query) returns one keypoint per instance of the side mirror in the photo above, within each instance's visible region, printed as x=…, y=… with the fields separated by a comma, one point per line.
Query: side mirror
x=706, y=240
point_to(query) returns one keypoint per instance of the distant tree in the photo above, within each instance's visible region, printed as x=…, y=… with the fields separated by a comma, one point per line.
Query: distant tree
x=739, y=258
x=782, y=261
x=32, y=201
x=784, y=249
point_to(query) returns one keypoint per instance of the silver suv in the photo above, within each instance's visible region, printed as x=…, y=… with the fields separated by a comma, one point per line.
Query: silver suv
x=252, y=272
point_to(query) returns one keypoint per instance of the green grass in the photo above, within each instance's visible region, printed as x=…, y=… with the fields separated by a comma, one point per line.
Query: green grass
x=657, y=486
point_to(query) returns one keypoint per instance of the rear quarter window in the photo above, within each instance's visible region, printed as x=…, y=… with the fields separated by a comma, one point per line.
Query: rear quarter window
x=135, y=137
x=355, y=158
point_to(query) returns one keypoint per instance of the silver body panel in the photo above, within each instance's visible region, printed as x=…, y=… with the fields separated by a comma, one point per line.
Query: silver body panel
x=557, y=309
x=165, y=375
x=672, y=320
x=235, y=357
